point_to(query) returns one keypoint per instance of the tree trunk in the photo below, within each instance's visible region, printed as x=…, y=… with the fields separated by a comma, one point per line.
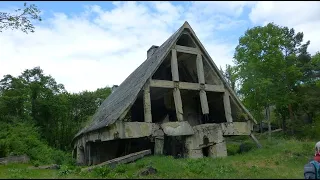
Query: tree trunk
x=269, y=121
x=284, y=128
x=291, y=118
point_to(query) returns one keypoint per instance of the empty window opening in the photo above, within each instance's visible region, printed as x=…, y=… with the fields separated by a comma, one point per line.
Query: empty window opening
x=187, y=67
x=137, y=109
x=174, y=146
x=164, y=70
x=235, y=113
x=191, y=107
x=210, y=76
x=162, y=105
x=216, y=107
x=205, y=151
x=102, y=151
x=74, y=153
x=186, y=40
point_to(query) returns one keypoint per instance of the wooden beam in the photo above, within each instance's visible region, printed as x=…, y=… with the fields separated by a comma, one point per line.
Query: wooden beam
x=185, y=49
x=189, y=86
x=255, y=140
x=200, y=71
x=174, y=66
x=147, y=104
x=178, y=103
x=204, y=102
x=186, y=85
x=161, y=84
x=227, y=106
x=214, y=88
x=121, y=160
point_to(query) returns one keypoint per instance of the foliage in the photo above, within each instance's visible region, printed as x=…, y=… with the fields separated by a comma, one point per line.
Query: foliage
x=21, y=19
x=280, y=159
x=23, y=138
x=37, y=98
x=274, y=68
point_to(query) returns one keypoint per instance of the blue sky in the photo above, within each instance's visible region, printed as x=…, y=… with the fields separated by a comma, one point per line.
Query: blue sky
x=91, y=44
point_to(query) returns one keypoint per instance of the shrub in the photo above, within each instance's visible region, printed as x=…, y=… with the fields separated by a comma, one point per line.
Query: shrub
x=102, y=171
x=232, y=149
x=24, y=138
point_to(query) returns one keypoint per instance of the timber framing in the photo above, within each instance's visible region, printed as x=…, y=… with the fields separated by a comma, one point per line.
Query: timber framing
x=155, y=103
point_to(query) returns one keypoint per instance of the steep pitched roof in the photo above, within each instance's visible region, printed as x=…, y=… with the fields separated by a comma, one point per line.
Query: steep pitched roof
x=125, y=95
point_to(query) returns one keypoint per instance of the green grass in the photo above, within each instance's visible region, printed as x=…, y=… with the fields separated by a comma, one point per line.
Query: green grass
x=280, y=158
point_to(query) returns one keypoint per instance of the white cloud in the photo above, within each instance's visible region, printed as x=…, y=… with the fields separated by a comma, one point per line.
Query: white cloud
x=301, y=15
x=102, y=47
x=85, y=53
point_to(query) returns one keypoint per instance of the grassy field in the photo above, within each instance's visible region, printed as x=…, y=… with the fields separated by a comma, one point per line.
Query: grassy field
x=280, y=158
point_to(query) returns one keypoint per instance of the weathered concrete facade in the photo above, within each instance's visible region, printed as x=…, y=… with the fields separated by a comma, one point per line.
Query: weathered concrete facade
x=180, y=106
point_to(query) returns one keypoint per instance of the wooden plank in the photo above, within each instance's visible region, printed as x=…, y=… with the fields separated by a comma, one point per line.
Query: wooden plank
x=147, y=104
x=186, y=85
x=189, y=86
x=161, y=84
x=178, y=103
x=214, y=88
x=185, y=49
x=227, y=106
x=200, y=71
x=121, y=160
x=256, y=140
x=204, y=102
x=174, y=65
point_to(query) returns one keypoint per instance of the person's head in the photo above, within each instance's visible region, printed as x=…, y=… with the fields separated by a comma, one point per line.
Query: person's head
x=317, y=148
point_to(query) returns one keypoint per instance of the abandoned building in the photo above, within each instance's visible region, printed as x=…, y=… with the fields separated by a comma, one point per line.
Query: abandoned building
x=175, y=103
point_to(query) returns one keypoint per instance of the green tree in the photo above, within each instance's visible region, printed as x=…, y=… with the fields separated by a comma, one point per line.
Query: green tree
x=21, y=19
x=266, y=59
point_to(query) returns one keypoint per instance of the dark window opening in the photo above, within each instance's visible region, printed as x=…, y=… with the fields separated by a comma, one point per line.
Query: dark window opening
x=191, y=107
x=216, y=107
x=186, y=40
x=210, y=76
x=205, y=151
x=174, y=146
x=137, y=109
x=164, y=70
x=162, y=105
x=187, y=67
x=107, y=150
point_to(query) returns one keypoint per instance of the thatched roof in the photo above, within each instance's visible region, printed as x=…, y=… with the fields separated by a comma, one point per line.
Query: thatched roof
x=125, y=95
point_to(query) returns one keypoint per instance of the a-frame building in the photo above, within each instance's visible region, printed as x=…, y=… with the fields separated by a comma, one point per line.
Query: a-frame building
x=175, y=103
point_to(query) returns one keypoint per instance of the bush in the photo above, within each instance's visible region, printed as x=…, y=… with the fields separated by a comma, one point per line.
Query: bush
x=102, y=171
x=246, y=147
x=233, y=149
x=24, y=138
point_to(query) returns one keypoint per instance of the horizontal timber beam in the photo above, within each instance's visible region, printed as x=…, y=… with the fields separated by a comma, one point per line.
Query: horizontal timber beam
x=185, y=49
x=186, y=85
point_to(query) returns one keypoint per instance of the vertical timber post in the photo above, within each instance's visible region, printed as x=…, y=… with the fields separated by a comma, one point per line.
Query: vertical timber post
x=227, y=106
x=159, y=143
x=89, y=153
x=176, y=90
x=203, y=95
x=147, y=103
x=80, y=155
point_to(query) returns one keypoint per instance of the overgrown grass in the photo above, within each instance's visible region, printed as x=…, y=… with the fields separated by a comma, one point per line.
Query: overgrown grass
x=280, y=158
